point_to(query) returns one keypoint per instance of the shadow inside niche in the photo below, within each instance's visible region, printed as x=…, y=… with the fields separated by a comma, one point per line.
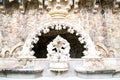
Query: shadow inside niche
x=76, y=48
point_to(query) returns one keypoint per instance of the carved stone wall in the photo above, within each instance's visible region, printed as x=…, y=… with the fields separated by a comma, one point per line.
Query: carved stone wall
x=102, y=27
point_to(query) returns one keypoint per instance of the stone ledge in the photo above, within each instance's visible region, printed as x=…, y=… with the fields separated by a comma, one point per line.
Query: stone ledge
x=21, y=70
x=102, y=71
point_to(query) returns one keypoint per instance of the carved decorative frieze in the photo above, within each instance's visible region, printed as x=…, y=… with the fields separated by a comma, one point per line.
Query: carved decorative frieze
x=69, y=5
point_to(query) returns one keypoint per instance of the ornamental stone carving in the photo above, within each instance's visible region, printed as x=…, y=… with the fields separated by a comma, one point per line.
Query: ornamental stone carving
x=58, y=50
x=45, y=27
x=58, y=54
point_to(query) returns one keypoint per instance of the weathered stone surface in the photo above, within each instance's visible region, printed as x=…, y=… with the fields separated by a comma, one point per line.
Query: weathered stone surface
x=102, y=27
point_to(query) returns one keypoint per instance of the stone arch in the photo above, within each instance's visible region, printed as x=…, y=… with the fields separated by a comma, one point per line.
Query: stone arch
x=59, y=25
x=40, y=48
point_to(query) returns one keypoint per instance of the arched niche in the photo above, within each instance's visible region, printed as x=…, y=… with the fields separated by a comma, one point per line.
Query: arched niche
x=59, y=27
x=40, y=48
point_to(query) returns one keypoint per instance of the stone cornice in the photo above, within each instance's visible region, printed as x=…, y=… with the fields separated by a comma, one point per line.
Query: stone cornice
x=68, y=5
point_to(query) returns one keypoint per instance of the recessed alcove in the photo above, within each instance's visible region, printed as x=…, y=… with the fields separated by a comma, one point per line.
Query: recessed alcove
x=40, y=47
